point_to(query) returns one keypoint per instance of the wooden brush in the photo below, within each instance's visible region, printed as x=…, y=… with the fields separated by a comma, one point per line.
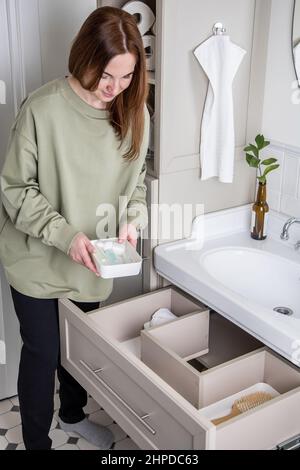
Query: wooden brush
x=243, y=404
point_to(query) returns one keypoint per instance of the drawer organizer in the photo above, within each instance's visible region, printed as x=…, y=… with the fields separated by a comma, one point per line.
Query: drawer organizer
x=146, y=379
x=168, y=348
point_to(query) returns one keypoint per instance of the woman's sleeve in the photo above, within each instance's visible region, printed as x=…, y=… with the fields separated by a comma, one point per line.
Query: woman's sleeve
x=28, y=209
x=137, y=213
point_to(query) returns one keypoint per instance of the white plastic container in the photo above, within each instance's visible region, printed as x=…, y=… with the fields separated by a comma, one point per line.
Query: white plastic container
x=115, y=259
x=224, y=407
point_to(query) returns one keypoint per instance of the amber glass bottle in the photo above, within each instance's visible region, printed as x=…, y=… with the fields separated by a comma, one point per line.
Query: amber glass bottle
x=260, y=213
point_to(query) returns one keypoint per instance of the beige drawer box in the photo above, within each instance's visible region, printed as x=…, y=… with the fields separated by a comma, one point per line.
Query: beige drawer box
x=146, y=416
x=151, y=410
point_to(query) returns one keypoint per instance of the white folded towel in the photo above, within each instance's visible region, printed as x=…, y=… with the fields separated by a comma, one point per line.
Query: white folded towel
x=220, y=59
x=297, y=61
x=161, y=316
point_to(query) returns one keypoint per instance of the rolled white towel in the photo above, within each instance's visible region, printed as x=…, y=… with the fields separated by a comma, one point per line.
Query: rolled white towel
x=162, y=315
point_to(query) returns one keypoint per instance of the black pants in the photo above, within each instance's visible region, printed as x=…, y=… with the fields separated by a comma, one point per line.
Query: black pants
x=40, y=358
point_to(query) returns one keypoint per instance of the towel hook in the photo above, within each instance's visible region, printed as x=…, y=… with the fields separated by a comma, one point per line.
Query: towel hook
x=218, y=29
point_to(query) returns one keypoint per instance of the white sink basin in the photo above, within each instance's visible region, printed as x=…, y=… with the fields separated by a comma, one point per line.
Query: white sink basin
x=261, y=277
x=241, y=278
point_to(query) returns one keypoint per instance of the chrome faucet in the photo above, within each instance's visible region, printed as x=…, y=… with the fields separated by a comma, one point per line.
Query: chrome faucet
x=285, y=230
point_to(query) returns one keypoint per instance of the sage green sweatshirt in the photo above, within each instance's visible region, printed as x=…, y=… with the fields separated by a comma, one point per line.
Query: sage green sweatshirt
x=62, y=164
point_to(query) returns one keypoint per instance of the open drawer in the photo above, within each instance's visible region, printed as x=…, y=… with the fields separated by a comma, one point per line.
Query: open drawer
x=103, y=351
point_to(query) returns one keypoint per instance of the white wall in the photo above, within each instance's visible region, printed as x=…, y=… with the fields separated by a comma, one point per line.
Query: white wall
x=59, y=23
x=283, y=191
x=281, y=118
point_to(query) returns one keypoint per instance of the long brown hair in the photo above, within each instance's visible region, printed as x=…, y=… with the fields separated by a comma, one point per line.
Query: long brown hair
x=108, y=32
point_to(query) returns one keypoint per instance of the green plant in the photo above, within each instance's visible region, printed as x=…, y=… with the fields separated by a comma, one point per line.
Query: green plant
x=253, y=158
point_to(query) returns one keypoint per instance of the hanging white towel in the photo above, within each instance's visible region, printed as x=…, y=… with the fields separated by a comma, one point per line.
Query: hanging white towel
x=297, y=60
x=220, y=59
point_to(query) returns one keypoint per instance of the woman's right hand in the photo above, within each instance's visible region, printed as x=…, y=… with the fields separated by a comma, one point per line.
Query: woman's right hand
x=81, y=250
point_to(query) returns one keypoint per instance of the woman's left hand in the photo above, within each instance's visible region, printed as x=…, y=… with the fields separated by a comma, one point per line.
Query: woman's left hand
x=128, y=232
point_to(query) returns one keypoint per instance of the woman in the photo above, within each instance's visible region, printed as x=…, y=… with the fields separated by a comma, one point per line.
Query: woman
x=78, y=142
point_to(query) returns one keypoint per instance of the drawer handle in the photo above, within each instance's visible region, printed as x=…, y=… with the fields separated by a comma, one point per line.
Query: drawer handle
x=116, y=395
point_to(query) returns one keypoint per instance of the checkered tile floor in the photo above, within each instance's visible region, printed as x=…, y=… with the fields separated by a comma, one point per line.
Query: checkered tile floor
x=11, y=433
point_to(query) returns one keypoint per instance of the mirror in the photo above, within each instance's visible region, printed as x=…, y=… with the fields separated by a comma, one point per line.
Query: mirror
x=296, y=38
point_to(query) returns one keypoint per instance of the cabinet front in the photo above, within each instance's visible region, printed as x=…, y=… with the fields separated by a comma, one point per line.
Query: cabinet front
x=146, y=420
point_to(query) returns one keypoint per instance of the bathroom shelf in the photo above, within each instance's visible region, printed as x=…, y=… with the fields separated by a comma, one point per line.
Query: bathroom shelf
x=151, y=77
